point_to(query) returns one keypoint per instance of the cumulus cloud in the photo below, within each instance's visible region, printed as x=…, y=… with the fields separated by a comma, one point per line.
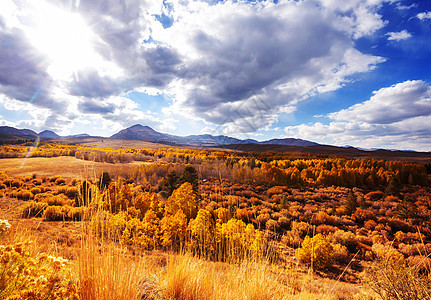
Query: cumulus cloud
x=389, y=105
x=396, y=116
x=236, y=64
x=279, y=53
x=398, y=36
x=424, y=15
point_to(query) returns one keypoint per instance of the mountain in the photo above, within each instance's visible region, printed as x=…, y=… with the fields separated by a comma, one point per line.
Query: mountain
x=146, y=133
x=289, y=142
x=211, y=140
x=22, y=133
x=80, y=135
x=48, y=134
x=8, y=133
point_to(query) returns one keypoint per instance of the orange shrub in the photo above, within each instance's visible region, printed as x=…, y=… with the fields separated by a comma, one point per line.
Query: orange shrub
x=341, y=254
x=387, y=253
x=370, y=224
x=57, y=200
x=326, y=229
x=35, y=191
x=24, y=195
x=36, y=181
x=72, y=192
x=262, y=219
x=54, y=178
x=374, y=196
x=16, y=183
x=33, y=209
x=56, y=213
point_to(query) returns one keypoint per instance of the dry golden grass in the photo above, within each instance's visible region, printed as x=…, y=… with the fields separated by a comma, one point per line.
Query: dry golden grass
x=66, y=166
x=123, y=144
x=105, y=272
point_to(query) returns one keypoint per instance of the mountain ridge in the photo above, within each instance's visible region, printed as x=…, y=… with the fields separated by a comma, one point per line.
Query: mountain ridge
x=148, y=134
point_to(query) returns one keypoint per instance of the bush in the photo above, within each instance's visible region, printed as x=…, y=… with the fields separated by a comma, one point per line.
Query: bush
x=54, y=178
x=60, y=181
x=326, y=229
x=57, y=213
x=374, y=196
x=396, y=280
x=33, y=209
x=35, y=191
x=58, y=200
x=16, y=183
x=316, y=252
x=345, y=238
x=341, y=254
x=302, y=228
x=41, y=277
x=24, y=195
x=72, y=192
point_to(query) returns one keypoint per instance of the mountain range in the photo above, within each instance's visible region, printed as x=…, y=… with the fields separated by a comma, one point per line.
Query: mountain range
x=146, y=133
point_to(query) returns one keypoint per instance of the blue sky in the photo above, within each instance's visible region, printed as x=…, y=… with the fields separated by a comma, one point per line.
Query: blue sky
x=331, y=71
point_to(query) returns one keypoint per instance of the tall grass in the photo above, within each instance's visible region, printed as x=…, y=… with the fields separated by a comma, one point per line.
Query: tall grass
x=397, y=280
x=187, y=277
x=106, y=271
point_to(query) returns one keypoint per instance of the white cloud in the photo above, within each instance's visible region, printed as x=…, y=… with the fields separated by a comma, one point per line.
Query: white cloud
x=388, y=105
x=398, y=36
x=406, y=7
x=235, y=52
x=424, y=15
x=394, y=117
x=237, y=64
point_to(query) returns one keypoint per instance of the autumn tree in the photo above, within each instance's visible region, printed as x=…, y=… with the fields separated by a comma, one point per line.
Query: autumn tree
x=201, y=234
x=351, y=203
x=394, y=187
x=170, y=183
x=85, y=194
x=316, y=252
x=183, y=199
x=173, y=230
x=104, y=181
x=190, y=175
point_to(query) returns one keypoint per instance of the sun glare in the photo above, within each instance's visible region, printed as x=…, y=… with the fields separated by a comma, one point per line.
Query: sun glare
x=66, y=40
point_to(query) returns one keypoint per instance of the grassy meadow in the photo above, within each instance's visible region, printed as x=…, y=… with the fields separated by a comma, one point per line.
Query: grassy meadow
x=84, y=222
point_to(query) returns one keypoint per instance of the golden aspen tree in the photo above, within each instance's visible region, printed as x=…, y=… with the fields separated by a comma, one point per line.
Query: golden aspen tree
x=183, y=199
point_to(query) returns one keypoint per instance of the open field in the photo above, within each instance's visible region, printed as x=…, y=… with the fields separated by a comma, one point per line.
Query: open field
x=66, y=166
x=112, y=143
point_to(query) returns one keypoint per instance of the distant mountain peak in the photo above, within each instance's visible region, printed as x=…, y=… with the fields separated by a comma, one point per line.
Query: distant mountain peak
x=139, y=126
x=48, y=134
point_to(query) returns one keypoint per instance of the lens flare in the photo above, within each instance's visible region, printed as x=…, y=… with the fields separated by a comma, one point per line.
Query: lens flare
x=30, y=151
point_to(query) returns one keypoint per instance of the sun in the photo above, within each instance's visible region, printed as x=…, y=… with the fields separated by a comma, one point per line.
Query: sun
x=65, y=39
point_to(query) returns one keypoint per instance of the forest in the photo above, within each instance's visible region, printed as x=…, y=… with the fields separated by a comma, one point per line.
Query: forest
x=358, y=221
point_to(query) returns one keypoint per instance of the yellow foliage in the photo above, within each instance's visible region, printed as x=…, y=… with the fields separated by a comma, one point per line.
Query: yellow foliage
x=201, y=233
x=316, y=251
x=25, y=277
x=183, y=199
x=173, y=230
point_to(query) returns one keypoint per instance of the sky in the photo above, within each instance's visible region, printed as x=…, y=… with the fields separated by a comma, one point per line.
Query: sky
x=338, y=72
